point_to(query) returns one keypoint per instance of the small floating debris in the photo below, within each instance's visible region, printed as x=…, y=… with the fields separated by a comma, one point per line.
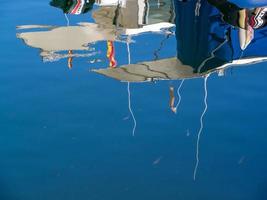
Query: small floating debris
x=157, y=161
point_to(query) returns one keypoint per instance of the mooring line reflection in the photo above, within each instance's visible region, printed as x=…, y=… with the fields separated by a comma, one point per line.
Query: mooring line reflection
x=179, y=95
x=201, y=126
x=130, y=108
x=129, y=91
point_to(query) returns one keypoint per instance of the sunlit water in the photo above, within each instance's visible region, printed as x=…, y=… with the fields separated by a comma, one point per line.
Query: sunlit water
x=74, y=134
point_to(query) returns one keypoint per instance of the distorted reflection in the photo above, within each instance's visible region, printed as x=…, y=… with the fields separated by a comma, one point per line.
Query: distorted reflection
x=112, y=21
x=133, y=14
x=75, y=7
x=211, y=36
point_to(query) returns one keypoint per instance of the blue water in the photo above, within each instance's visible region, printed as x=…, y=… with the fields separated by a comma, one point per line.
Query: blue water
x=67, y=134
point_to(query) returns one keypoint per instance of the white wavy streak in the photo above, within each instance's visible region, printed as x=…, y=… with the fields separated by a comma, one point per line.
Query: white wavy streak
x=129, y=92
x=201, y=127
x=130, y=108
x=179, y=95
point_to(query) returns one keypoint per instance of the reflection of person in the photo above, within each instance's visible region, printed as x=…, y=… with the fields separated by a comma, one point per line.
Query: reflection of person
x=207, y=42
x=247, y=20
x=75, y=7
x=255, y=18
x=70, y=59
x=172, y=99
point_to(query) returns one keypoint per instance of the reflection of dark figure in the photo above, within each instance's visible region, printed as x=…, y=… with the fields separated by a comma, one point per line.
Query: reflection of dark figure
x=75, y=7
x=240, y=17
x=205, y=41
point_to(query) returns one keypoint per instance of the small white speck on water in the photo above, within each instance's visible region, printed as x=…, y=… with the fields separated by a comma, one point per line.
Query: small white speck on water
x=241, y=160
x=188, y=133
x=126, y=118
x=157, y=161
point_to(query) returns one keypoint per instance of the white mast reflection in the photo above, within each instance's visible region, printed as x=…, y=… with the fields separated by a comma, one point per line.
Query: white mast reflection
x=201, y=125
x=129, y=92
x=67, y=19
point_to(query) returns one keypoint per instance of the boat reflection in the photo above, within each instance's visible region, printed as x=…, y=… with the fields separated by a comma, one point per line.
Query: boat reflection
x=112, y=21
x=132, y=13
x=211, y=36
x=206, y=43
x=65, y=38
x=75, y=7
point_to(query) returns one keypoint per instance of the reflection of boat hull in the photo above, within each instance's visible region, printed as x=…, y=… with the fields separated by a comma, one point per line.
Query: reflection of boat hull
x=67, y=37
x=249, y=3
x=166, y=69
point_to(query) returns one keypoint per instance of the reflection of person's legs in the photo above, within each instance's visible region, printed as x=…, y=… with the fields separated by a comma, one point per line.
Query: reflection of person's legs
x=172, y=99
x=70, y=59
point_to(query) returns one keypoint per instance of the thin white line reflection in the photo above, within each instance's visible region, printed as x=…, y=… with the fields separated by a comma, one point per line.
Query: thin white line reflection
x=129, y=93
x=179, y=95
x=201, y=126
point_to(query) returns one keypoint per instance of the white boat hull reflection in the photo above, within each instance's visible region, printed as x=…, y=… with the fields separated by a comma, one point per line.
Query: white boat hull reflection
x=166, y=69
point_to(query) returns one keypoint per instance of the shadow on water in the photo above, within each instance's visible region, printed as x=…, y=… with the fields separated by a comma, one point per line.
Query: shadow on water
x=211, y=37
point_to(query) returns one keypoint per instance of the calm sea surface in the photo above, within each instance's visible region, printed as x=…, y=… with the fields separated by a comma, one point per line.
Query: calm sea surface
x=73, y=134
